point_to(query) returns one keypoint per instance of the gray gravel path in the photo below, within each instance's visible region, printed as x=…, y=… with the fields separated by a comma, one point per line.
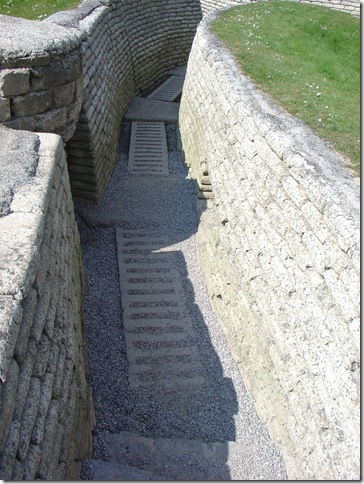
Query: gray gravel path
x=218, y=411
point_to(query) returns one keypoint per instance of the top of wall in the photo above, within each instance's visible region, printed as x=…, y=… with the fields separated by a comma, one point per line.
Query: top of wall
x=58, y=34
x=42, y=39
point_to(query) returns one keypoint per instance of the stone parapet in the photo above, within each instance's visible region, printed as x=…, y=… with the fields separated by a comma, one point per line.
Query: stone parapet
x=349, y=6
x=280, y=246
x=46, y=413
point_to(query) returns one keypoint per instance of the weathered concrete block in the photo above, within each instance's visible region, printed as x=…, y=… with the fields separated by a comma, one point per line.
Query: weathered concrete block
x=29, y=304
x=5, y=113
x=10, y=318
x=14, y=82
x=31, y=462
x=41, y=361
x=25, y=373
x=50, y=454
x=28, y=417
x=7, y=457
x=33, y=103
x=41, y=313
x=8, y=400
x=63, y=95
x=44, y=402
x=49, y=76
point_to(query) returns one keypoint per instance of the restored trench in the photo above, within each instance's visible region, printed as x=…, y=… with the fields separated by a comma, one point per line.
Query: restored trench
x=170, y=402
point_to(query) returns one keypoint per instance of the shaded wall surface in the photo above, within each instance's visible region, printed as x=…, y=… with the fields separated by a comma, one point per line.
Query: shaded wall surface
x=46, y=413
x=280, y=249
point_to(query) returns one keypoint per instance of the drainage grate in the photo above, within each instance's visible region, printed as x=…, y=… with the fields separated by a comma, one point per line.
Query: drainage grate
x=148, y=148
x=169, y=90
x=159, y=337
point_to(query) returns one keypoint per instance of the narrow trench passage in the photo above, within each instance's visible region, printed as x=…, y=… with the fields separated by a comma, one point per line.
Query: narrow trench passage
x=170, y=403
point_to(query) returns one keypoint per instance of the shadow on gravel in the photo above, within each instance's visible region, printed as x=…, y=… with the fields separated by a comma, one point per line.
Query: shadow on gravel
x=204, y=413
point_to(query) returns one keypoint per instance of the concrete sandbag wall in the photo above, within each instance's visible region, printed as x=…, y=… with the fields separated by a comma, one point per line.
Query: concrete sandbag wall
x=349, y=6
x=129, y=45
x=280, y=248
x=46, y=413
x=101, y=54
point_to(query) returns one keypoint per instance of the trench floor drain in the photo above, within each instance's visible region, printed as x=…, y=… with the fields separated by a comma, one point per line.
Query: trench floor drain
x=160, y=341
x=148, y=148
x=169, y=90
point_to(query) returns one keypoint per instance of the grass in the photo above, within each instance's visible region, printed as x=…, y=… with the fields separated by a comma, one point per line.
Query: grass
x=35, y=9
x=307, y=58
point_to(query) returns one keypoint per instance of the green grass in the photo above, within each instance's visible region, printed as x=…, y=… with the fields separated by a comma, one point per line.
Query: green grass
x=35, y=9
x=307, y=58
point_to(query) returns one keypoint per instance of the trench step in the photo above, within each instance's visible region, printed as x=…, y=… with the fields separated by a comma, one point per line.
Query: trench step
x=160, y=341
x=100, y=470
x=169, y=90
x=148, y=148
x=184, y=459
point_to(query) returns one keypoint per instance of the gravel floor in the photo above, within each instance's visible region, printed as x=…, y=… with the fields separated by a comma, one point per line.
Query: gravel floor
x=221, y=410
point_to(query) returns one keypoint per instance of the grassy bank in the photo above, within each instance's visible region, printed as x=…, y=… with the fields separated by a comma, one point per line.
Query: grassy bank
x=307, y=58
x=35, y=9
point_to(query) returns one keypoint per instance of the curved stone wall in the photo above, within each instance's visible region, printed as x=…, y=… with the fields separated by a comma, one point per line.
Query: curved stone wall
x=280, y=247
x=101, y=54
x=349, y=6
x=129, y=46
x=46, y=413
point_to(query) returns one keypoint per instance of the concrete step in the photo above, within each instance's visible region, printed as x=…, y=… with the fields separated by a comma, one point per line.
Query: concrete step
x=144, y=109
x=100, y=470
x=184, y=459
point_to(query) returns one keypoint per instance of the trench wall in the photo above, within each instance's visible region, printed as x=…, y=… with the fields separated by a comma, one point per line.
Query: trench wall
x=77, y=71
x=349, y=6
x=46, y=413
x=280, y=248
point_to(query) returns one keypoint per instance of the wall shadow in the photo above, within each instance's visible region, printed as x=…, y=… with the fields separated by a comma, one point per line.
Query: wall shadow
x=202, y=413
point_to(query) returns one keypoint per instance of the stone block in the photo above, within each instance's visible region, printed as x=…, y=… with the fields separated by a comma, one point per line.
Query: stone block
x=59, y=374
x=49, y=453
x=29, y=304
x=5, y=113
x=19, y=238
x=44, y=402
x=51, y=121
x=31, y=462
x=7, y=459
x=25, y=372
x=41, y=361
x=18, y=471
x=33, y=103
x=46, y=77
x=63, y=95
x=10, y=318
x=28, y=417
x=41, y=312
x=8, y=401
x=14, y=82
